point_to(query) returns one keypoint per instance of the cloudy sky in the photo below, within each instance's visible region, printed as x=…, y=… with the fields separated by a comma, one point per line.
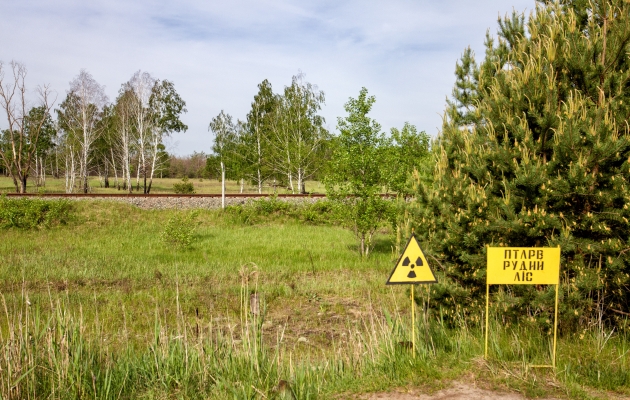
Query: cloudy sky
x=216, y=52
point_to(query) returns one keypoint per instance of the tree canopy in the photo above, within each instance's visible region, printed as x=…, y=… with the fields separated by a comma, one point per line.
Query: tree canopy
x=535, y=151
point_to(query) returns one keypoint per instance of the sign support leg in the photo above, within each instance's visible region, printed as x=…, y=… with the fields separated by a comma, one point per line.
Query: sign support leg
x=413, y=323
x=487, y=309
x=555, y=330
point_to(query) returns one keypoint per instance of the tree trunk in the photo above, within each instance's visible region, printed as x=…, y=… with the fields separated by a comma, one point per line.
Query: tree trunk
x=290, y=176
x=23, y=183
x=138, y=178
x=299, y=180
x=57, y=163
x=43, y=174
x=362, y=248
x=36, y=171
x=67, y=176
x=222, y=185
x=106, y=174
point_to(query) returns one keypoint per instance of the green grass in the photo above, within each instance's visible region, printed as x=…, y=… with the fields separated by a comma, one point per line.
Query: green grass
x=160, y=185
x=102, y=308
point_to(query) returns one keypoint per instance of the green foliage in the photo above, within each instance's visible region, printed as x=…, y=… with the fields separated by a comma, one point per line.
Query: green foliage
x=406, y=152
x=298, y=132
x=21, y=147
x=179, y=230
x=462, y=108
x=28, y=213
x=282, y=139
x=185, y=187
x=255, y=141
x=166, y=106
x=62, y=355
x=357, y=170
x=544, y=162
x=97, y=310
x=321, y=212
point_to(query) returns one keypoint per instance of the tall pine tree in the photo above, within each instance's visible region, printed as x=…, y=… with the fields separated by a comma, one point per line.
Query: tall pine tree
x=535, y=151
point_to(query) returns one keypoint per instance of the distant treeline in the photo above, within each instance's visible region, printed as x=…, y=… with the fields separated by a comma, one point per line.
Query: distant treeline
x=282, y=141
x=90, y=135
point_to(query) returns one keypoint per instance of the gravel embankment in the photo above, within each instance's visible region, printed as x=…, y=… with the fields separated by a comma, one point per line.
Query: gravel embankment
x=161, y=203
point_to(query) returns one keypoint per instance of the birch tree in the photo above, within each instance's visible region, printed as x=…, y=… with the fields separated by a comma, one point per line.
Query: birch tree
x=124, y=135
x=141, y=83
x=80, y=115
x=39, y=119
x=298, y=132
x=18, y=149
x=224, y=135
x=165, y=107
x=256, y=135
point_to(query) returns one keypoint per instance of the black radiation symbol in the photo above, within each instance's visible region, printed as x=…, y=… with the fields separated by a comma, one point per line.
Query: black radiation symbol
x=406, y=262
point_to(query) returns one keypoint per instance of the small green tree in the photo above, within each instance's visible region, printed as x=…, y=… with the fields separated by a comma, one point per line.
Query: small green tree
x=185, y=187
x=179, y=230
x=407, y=150
x=355, y=177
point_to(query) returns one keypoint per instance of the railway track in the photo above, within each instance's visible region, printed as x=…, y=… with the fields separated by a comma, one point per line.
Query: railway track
x=171, y=195
x=158, y=195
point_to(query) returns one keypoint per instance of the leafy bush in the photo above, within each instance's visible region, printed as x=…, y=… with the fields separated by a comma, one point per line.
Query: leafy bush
x=258, y=211
x=179, y=230
x=25, y=213
x=185, y=187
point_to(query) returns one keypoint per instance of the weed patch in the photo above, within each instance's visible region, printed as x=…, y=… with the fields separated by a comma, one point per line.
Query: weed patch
x=28, y=213
x=179, y=230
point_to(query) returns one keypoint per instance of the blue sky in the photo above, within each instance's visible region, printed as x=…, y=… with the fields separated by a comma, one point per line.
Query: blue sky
x=216, y=53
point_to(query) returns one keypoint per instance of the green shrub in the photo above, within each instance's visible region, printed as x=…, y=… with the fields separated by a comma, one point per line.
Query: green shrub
x=179, y=230
x=25, y=213
x=323, y=212
x=185, y=187
x=258, y=211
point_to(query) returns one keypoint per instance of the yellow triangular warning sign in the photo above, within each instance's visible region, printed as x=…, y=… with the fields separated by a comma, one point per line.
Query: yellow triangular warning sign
x=412, y=266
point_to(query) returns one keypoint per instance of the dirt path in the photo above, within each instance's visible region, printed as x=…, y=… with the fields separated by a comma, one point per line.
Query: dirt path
x=457, y=391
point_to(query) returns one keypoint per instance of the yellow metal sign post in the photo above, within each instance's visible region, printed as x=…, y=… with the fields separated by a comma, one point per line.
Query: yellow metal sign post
x=412, y=268
x=524, y=266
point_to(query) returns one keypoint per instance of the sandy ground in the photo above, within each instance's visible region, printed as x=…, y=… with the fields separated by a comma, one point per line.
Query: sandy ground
x=457, y=391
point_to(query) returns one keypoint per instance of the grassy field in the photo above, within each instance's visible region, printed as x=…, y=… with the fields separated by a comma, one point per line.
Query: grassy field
x=160, y=185
x=102, y=308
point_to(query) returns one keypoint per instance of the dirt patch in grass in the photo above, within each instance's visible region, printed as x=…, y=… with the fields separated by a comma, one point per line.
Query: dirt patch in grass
x=474, y=390
x=456, y=391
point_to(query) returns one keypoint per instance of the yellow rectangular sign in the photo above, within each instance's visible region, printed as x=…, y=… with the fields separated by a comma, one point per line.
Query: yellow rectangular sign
x=523, y=266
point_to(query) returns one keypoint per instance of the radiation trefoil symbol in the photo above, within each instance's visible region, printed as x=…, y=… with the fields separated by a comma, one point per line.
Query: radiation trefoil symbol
x=412, y=266
x=412, y=273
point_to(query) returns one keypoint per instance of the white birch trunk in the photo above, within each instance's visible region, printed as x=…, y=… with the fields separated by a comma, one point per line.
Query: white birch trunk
x=67, y=176
x=111, y=151
x=222, y=185
x=300, y=180
x=43, y=174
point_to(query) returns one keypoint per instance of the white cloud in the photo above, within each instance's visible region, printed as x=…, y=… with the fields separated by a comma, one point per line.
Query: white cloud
x=404, y=52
